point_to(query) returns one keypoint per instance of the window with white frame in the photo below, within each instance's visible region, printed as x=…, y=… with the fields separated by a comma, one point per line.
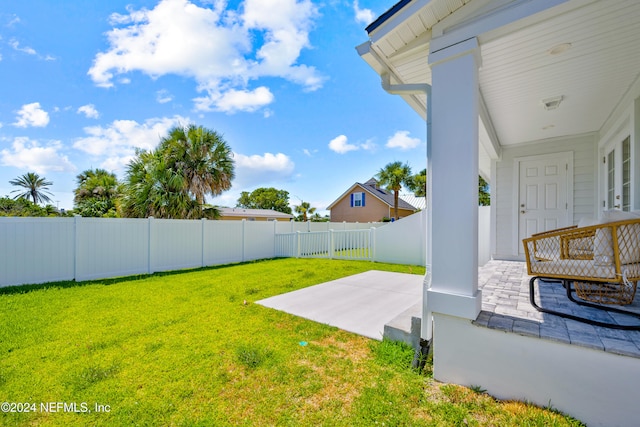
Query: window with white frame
x=357, y=200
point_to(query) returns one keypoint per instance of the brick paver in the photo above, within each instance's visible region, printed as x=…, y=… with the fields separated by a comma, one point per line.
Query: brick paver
x=506, y=306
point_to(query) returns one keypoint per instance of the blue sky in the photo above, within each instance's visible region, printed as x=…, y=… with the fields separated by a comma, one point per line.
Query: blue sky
x=86, y=82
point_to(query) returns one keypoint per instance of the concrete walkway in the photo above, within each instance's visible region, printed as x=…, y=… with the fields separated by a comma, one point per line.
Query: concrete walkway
x=362, y=303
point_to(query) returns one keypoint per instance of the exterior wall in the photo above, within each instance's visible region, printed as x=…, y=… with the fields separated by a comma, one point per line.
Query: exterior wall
x=373, y=210
x=575, y=380
x=584, y=150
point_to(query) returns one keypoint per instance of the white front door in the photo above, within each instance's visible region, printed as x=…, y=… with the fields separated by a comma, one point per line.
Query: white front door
x=543, y=194
x=618, y=176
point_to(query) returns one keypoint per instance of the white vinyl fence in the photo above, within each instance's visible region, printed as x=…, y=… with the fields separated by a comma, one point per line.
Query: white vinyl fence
x=341, y=244
x=39, y=250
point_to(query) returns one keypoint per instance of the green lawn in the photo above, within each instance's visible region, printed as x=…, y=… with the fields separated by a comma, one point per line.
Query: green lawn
x=192, y=349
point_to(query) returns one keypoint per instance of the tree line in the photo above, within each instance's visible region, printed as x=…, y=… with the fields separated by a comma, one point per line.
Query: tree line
x=172, y=181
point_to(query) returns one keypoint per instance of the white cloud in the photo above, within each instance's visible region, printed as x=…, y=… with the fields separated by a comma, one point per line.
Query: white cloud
x=30, y=155
x=16, y=46
x=341, y=145
x=258, y=170
x=403, y=141
x=117, y=142
x=214, y=46
x=32, y=115
x=163, y=96
x=235, y=100
x=369, y=145
x=14, y=20
x=364, y=16
x=89, y=111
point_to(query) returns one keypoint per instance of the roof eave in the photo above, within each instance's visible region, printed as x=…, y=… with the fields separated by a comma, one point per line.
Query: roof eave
x=386, y=16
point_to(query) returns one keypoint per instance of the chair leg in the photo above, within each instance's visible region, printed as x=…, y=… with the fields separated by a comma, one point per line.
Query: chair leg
x=567, y=286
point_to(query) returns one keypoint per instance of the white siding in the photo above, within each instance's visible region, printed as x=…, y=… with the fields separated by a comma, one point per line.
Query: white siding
x=584, y=150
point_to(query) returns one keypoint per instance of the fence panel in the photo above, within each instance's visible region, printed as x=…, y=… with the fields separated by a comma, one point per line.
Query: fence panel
x=314, y=244
x=175, y=244
x=402, y=241
x=36, y=250
x=284, y=227
x=110, y=247
x=259, y=240
x=286, y=245
x=352, y=244
x=223, y=242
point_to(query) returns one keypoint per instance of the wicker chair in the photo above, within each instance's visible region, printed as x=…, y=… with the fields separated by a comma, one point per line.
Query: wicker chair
x=602, y=262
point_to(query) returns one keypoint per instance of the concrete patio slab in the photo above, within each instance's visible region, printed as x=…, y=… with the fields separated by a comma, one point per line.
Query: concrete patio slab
x=362, y=303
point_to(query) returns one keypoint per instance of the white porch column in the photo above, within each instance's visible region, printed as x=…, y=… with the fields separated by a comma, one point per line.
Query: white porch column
x=453, y=181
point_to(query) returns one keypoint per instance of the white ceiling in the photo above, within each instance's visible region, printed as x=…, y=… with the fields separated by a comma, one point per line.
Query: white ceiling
x=518, y=71
x=592, y=76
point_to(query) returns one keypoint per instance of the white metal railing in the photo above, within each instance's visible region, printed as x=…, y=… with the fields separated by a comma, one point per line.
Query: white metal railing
x=347, y=244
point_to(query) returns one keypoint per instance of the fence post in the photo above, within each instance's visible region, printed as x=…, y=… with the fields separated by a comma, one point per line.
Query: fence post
x=331, y=244
x=372, y=244
x=75, y=246
x=202, y=237
x=298, y=244
x=275, y=238
x=150, y=246
x=244, y=223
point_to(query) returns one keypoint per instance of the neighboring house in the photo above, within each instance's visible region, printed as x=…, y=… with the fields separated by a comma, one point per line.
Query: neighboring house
x=367, y=203
x=418, y=202
x=253, y=214
x=542, y=99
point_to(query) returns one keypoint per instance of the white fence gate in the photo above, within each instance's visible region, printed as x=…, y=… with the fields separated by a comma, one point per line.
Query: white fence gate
x=350, y=244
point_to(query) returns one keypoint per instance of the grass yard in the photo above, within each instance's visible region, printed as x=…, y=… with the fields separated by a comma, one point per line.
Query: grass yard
x=192, y=349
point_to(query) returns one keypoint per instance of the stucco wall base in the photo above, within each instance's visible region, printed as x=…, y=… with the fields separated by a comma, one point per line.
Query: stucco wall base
x=596, y=387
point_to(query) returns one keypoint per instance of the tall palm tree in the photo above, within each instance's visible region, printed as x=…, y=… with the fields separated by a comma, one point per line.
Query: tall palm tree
x=202, y=157
x=393, y=176
x=33, y=187
x=303, y=209
x=154, y=189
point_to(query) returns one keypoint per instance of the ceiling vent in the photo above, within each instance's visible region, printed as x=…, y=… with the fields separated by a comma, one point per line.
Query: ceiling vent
x=552, y=103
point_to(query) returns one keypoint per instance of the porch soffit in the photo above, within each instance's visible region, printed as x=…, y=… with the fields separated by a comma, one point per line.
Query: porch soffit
x=518, y=72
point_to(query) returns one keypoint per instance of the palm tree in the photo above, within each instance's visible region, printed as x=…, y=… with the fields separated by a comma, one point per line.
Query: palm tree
x=97, y=193
x=303, y=209
x=419, y=184
x=34, y=187
x=393, y=176
x=202, y=157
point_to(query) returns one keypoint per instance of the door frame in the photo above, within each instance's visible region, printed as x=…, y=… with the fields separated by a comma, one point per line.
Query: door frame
x=614, y=141
x=515, y=212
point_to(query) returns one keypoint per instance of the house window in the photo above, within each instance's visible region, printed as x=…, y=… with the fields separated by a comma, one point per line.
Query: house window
x=357, y=200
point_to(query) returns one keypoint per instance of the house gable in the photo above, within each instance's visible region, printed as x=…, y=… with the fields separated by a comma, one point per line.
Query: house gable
x=366, y=202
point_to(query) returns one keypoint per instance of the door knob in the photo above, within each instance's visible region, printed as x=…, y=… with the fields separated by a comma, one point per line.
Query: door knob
x=522, y=212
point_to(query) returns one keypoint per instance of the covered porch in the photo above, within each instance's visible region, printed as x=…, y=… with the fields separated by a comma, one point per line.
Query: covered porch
x=542, y=99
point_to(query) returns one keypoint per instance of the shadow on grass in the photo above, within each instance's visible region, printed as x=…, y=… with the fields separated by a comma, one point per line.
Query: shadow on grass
x=23, y=289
